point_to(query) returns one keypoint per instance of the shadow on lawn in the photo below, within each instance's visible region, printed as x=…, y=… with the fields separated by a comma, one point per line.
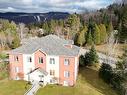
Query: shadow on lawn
x=91, y=77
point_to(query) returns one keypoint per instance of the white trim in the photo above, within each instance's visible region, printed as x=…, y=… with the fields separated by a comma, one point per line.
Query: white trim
x=52, y=66
x=28, y=66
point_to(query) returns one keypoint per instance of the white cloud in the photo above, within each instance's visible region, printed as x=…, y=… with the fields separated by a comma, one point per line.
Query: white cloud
x=52, y=5
x=27, y=1
x=8, y=9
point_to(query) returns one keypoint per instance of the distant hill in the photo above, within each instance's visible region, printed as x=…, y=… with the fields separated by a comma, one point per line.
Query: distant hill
x=33, y=17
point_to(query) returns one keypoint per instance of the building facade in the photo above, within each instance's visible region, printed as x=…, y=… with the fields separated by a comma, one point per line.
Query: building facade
x=49, y=59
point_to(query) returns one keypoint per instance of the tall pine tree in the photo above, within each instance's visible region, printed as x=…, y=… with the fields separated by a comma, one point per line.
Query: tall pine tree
x=81, y=38
x=123, y=33
x=89, y=40
x=97, y=35
x=103, y=33
x=110, y=28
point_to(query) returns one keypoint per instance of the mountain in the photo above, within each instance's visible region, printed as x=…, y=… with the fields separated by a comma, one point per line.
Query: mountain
x=33, y=17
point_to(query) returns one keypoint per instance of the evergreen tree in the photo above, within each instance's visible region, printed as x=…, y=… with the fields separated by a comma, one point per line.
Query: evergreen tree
x=110, y=28
x=15, y=42
x=123, y=63
x=105, y=18
x=91, y=28
x=72, y=25
x=123, y=33
x=90, y=33
x=89, y=40
x=105, y=72
x=61, y=23
x=81, y=60
x=46, y=27
x=52, y=25
x=91, y=57
x=81, y=38
x=97, y=35
x=103, y=33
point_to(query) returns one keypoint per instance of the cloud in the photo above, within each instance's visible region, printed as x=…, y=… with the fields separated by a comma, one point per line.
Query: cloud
x=52, y=5
x=8, y=9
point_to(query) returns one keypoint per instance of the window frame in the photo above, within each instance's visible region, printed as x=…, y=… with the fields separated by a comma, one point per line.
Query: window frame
x=66, y=74
x=40, y=60
x=66, y=62
x=29, y=59
x=52, y=72
x=52, y=61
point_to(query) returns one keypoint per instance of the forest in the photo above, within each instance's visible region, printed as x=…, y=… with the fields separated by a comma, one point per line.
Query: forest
x=85, y=29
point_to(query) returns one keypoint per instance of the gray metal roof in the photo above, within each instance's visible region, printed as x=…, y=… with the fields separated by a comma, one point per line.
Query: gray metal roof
x=51, y=45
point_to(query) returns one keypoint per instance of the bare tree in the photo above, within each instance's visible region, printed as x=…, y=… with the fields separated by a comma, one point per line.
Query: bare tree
x=21, y=30
x=2, y=40
x=58, y=31
x=111, y=47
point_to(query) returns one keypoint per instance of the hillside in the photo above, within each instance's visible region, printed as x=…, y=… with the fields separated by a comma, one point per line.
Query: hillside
x=33, y=17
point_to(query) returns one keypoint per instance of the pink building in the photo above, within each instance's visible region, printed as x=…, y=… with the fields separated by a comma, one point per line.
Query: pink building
x=49, y=59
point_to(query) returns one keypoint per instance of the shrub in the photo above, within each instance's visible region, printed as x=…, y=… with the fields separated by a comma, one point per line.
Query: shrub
x=3, y=56
x=112, y=77
x=15, y=42
x=105, y=72
x=81, y=61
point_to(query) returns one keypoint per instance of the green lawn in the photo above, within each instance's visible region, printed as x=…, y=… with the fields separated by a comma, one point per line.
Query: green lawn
x=88, y=83
x=10, y=87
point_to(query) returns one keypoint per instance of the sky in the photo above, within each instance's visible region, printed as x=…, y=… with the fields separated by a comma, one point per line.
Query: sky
x=42, y=6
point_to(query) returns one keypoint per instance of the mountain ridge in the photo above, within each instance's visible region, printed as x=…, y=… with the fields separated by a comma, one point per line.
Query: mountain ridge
x=21, y=17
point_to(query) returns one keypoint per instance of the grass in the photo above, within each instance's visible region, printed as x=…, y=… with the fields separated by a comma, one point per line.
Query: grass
x=88, y=83
x=11, y=87
x=119, y=49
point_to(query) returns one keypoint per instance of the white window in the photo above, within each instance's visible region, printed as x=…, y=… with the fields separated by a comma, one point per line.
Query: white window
x=29, y=59
x=52, y=61
x=16, y=69
x=66, y=61
x=40, y=61
x=66, y=74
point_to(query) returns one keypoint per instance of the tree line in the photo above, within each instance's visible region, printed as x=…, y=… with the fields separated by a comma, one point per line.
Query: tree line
x=92, y=27
x=85, y=29
x=8, y=35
